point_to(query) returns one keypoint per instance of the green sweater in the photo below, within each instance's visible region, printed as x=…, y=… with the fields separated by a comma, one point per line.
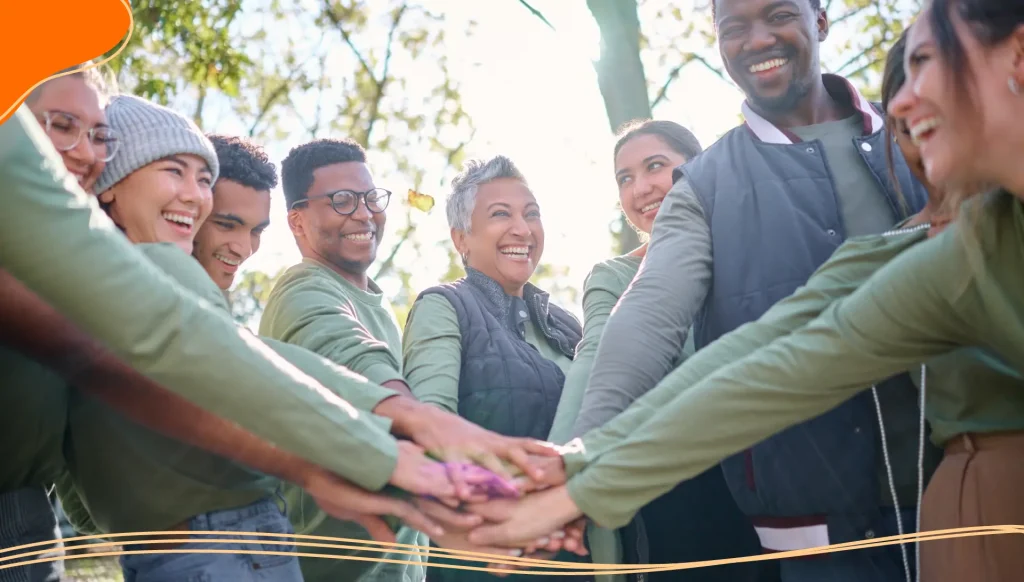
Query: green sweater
x=313, y=307
x=164, y=331
x=130, y=478
x=926, y=302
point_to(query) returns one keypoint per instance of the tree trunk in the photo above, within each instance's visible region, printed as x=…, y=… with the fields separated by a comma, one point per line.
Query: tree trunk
x=620, y=76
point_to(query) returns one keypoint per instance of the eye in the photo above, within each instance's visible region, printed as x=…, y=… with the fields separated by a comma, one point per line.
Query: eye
x=782, y=16
x=655, y=166
x=174, y=170
x=206, y=181
x=731, y=31
x=225, y=225
x=624, y=179
x=533, y=213
x=502, y=213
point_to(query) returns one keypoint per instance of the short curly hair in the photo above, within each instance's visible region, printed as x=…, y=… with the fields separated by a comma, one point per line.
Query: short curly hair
x=245, y=162
x=815, y=5
x=297, y=169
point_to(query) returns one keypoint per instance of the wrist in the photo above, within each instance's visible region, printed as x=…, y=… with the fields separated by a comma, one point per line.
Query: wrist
x=404, y=413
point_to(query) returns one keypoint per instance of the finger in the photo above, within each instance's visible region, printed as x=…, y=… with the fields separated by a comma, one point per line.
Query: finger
x=518, y=456
x=485, y=481
x=491, y=462
x=501, y=534
x=376, y=527
x=457, y=477
x=498, y=510
x=412, y=517
x=447, y=517
x=543, y=448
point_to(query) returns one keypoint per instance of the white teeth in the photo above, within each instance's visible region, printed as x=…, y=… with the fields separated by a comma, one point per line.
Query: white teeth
x=650, y=207
x=922, y=127
x=360, y=236
x=179, y=218
x=768, y=65
x=232, y=262
x=516, y=252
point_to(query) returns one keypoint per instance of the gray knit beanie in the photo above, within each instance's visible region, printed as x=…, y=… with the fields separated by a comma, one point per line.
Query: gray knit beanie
x=150, y=132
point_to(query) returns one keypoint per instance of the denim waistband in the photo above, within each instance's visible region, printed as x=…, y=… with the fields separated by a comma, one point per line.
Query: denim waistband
x=225, y=519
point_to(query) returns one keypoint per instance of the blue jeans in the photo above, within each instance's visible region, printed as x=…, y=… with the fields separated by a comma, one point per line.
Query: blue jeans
x=263, y=516
x=26, y=517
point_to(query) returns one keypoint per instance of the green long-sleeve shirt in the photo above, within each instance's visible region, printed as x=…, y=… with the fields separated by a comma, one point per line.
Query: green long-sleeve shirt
x=131, y=478
x=57, y=241
x=928, y=301
x=314, y=307
x=432, y=351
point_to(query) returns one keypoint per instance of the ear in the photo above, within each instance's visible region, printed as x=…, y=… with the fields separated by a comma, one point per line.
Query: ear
x=459, y=240
x=1016, y=43
x=297, y=223
x=823, y=25
x=108, y=195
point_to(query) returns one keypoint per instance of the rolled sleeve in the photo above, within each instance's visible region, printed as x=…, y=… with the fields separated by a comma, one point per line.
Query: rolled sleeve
x=645, y=335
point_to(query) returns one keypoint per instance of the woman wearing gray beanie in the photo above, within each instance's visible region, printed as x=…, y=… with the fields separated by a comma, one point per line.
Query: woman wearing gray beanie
x=125, y=478
x=159, y=188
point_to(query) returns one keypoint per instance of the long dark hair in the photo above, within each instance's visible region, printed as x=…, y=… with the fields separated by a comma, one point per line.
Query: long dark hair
x=990, y=22
x=681, y=140
x=893, y=78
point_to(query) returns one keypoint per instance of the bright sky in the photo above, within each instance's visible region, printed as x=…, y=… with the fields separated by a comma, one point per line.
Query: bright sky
x=533, y=95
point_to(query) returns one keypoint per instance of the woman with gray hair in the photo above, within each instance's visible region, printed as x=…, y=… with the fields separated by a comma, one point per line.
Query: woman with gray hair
x=490, y=346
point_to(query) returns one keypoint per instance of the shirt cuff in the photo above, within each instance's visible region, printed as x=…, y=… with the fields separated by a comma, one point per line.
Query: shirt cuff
x=381, y=373
x=597, y=506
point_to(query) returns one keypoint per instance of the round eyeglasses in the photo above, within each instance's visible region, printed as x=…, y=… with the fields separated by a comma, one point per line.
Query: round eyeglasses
x=66, y=131
x=345, y=202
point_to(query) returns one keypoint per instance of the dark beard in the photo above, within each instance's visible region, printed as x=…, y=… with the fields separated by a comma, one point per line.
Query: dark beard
x=784, y=103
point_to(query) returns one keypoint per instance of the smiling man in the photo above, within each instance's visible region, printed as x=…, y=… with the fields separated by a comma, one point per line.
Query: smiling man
x=329, y=305
x=241, y=208
x=746, y=223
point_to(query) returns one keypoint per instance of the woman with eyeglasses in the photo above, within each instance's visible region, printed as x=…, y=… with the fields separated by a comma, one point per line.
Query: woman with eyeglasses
x=71, y=110
x=491, y=347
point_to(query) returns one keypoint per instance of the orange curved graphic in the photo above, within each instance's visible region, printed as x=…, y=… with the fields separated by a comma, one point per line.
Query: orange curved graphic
x=42, y=38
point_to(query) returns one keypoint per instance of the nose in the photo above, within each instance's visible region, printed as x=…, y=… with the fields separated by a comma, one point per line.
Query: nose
x=760, y=39
x=242, y=246
x=192, y=193
x=642, y=186
x=83, y=152
x=362, y=212
x=520, y=227
x=903, y=102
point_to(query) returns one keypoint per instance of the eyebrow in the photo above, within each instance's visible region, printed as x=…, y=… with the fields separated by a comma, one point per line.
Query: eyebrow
x=493, y=204
x=184, y=164
x=766, y=10
x=645, y=161
x=69, y=114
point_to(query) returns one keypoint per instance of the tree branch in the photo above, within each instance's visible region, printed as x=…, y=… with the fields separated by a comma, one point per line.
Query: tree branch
x=849, y=15
x=674, y=73
x=276, y=94
x=537, y=13
x=336, y=21
x=375, y=105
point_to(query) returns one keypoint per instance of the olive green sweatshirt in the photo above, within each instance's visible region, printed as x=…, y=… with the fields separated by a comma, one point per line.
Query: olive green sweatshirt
x=57, y=241
x=314, y=307
x=131, y=478
x=963, y=288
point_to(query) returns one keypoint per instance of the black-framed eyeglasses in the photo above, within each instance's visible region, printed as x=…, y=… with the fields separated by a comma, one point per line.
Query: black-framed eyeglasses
x=345, y=202
x=66, y=131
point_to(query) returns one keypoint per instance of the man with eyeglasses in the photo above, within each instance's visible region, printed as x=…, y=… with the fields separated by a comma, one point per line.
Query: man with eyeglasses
x=329, y=305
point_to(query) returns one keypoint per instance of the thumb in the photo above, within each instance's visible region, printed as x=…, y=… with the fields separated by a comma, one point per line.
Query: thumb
x=376, y=527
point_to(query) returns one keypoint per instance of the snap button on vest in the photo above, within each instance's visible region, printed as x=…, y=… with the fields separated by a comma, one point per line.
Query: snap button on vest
x=865, y=146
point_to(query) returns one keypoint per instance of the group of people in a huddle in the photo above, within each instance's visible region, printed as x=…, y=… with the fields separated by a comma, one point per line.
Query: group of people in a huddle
x=820, y=342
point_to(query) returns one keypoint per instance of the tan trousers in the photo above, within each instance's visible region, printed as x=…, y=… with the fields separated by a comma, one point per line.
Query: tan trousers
x=980, y=482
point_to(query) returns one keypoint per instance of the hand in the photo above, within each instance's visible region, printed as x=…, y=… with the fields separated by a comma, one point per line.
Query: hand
x=347, y=502
x=553, y=470
x=521, y=523
x=452, y=438
x=446, y=482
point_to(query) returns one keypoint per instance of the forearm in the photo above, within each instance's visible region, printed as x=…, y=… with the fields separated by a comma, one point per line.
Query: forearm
x=854, y=343
x=645, y=334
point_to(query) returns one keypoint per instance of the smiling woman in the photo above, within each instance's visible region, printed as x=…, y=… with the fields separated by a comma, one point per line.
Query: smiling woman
x=490, y=346
x=159, y=187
